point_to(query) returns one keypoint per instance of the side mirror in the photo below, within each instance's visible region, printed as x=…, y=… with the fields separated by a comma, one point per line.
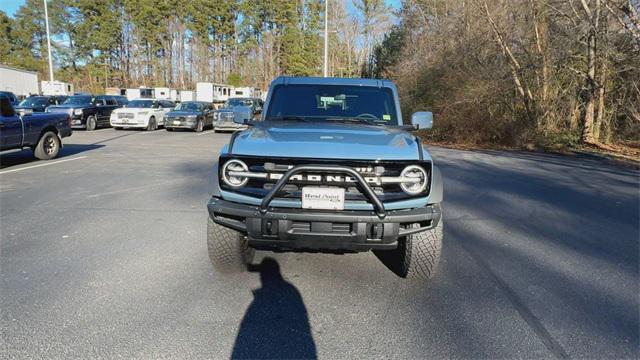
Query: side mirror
x=25, y=112
x=242, y=121
x=422, y=120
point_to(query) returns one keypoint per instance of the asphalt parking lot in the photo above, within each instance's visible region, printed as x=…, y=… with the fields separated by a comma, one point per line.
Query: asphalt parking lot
x=103, y=254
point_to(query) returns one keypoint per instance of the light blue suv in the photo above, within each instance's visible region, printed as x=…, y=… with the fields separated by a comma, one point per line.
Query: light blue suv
x=330, y=168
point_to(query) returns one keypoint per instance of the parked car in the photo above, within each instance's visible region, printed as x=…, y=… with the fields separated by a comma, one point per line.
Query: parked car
x=39, y=103
x=86, y=111
x=142, y=114
x=41, y=132
x=331, y=168
x=235, y=113
x=13, y=99
x=195, y=115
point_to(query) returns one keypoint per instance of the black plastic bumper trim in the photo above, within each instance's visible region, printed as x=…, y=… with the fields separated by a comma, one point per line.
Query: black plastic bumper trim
x=359, y=230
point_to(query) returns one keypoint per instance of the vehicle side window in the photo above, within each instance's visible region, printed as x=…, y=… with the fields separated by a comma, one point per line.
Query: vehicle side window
x=51, y=101
x=5, y=107
x=111, y=101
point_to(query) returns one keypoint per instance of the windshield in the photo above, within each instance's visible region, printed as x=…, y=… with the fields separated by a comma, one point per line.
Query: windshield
x=238, y=102
x=333, y=102
x=140, y=104
x=34, y=101
x=78, y=100
x=189, y=106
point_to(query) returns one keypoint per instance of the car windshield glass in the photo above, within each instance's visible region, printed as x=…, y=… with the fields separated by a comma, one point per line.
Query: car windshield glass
x=365, y=104
x=189, y=106
x=140, y=104
x=78, y=100
x=34, y=101
x=237, y=102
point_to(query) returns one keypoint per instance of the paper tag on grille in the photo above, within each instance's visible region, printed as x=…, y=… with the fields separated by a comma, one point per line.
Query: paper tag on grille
x=325, y=198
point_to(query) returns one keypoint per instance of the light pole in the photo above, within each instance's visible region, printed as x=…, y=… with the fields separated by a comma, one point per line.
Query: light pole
x=46, y=21
x=326, y=38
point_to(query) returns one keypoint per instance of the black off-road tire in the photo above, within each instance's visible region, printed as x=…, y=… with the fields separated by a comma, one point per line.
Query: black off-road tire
x=228, y=250
x=48, y=146
x=92, y=123
x=417, y=255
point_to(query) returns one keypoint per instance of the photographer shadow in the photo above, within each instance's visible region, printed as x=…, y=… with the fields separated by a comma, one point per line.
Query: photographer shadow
x=276, y=325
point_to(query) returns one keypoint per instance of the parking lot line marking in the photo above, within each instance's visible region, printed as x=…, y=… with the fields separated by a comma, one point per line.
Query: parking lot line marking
x=205, y=132
x=39, y=165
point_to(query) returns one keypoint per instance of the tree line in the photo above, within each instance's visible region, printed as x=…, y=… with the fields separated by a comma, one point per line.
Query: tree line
x=127, y=43
x=509, y=72
x=518, y=72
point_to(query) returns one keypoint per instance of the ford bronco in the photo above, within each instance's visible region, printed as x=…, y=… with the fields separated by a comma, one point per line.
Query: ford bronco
x=330, y=168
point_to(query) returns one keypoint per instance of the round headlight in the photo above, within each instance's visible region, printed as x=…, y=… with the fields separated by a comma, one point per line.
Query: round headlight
x=234, y=181
x=418, y=181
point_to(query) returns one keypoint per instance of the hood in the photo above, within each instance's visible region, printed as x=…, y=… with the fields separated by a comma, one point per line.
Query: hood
x=34, y=108
x=326, y=141
x=70, y=106
x=183, y=113
x=235, y=108
x=132, y=110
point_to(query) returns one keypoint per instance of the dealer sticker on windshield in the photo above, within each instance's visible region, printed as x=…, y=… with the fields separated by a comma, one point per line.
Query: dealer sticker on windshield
x=324, y=198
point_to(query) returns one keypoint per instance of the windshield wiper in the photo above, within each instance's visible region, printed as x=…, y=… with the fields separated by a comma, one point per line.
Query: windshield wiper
x=287, y=118
x=354, y=119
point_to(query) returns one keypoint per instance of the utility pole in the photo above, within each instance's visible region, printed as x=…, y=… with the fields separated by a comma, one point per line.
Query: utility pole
x=46, y=21
x=326, y=38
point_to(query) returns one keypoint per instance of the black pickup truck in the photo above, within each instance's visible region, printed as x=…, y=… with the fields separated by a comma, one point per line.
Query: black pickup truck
x=42, y=132
x=88, y=112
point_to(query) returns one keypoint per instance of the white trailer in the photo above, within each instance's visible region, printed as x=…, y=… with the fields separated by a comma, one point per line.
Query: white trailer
x=162, y=93
x=140, y=93
x=244, y=92
x=56, y=88
x=187, y=95
x=174, y=95
x=204, y=92
x=19, y=82
x=222, y=92
x=214, y=93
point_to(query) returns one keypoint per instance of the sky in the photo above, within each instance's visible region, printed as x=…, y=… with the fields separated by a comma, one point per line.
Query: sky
x=11, y=6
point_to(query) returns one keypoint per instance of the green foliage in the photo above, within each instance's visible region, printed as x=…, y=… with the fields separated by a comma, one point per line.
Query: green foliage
x=234, y=79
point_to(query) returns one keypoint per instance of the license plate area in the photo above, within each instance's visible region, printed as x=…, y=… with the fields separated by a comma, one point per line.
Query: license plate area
x=323, y=198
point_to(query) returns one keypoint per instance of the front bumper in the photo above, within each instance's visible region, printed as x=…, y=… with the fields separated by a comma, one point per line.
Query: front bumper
x=180, y=124
x=78, y=122
x=127, y=123
x=302, y=229
x=226, y=126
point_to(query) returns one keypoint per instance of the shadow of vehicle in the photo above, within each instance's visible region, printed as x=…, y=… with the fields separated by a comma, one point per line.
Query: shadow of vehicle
x=276, y=325
x=19, y=157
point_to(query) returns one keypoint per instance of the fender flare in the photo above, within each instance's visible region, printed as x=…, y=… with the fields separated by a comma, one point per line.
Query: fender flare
x=437, y=193
x=214, y=183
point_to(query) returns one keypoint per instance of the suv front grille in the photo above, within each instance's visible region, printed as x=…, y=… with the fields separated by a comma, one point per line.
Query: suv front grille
x=370, y=170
